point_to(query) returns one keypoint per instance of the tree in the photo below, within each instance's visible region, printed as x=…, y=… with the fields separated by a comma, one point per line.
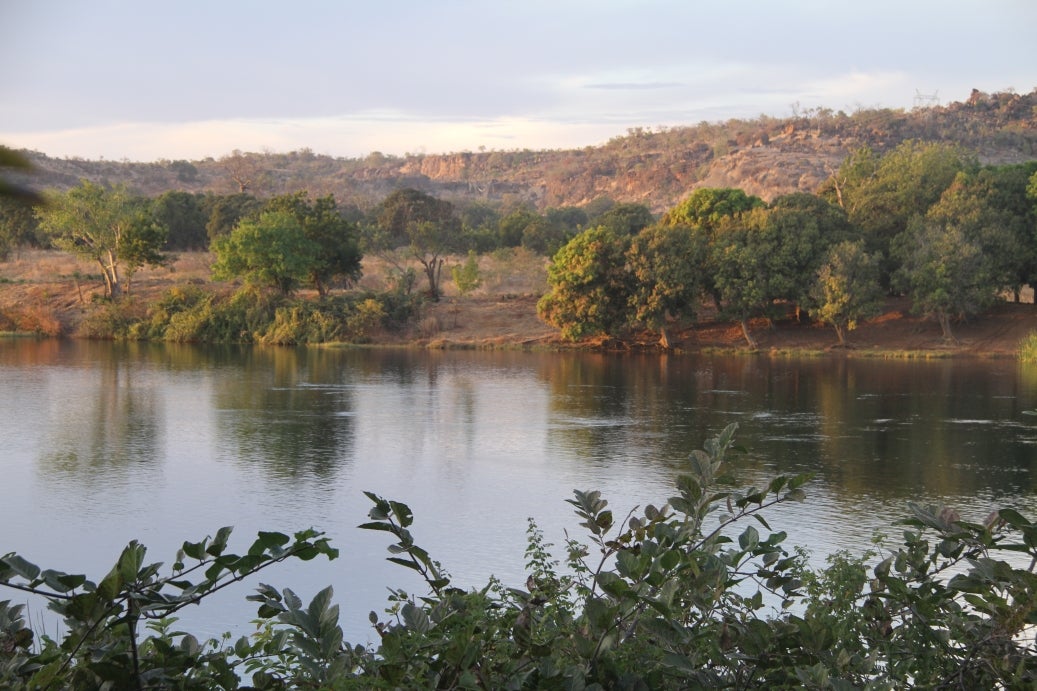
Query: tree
x=337, y=240
x=589, y=286
x=244, y=169
x=846, y=289
x=666, y=266
x=626, y=219
x=992, y=209
x=466, y=276
x=105, y=225
x=708, y=206
x=224, y=212
x=945, y=273
x=512, y=227
x=182, y=215
x=545, y=237
x=479, y=225
x=425, y=225
x=572, y=219
x=796, y=231
x=741, y=276
x=272, y=250
x=882, y=194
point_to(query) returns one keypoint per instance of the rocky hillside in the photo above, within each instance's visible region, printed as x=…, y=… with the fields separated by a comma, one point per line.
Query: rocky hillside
x=657, y=167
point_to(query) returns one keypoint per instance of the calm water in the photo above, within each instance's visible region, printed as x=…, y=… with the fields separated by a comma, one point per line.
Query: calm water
x=104, y=443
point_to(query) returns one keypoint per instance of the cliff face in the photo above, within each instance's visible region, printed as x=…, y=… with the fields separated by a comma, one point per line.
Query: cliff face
x=766, y=157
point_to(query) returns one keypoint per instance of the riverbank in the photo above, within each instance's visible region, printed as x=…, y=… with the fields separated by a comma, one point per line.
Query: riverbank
x=51, y=292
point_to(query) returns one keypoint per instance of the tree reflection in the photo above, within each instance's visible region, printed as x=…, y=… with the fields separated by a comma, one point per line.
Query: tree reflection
x=868, y=427
x=288, y=412
x=110, y=415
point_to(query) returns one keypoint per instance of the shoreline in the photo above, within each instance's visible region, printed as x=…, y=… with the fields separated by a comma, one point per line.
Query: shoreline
x=49, y=293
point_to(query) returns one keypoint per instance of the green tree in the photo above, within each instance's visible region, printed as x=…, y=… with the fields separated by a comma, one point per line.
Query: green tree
x=338, y=254
x=944, y=271
x=666, y=266
x=589, y=286
x=513, y=226
x=104, y=225
x=882, y=194
x=224, y=212
x=796, y=231
x=991, y=208
x=846, y=289
x=545, y=237
x=272, y=250
x=184, y=219
x=479, y=224
x=708, y=206
x=466, y=276
x=572, y=219
x=741, y=276
x=426, y=226
x=625, y=219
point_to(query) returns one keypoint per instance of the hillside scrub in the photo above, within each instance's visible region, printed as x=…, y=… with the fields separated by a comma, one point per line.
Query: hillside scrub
x=697, y=592
x=766, y=156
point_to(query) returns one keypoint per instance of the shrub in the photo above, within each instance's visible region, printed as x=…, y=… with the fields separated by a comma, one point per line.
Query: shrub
x=109, y=321
x=367, y=315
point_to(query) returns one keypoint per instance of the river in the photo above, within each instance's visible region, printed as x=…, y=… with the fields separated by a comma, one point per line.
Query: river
x=105, y=443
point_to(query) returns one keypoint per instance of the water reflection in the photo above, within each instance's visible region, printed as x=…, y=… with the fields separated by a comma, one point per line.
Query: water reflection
x=110, y=442
x=287, y=413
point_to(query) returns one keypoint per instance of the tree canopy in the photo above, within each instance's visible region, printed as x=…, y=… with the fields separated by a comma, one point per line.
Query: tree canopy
x=423, y=224
x=271, y=251
x=589, y=286
x=337, y=240
x=107, y=226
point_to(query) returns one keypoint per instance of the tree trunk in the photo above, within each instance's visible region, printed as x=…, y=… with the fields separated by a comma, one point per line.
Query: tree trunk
x=748, y=336
x=433, y=271
x=664, y=338
x=945, y=326
x=840, y=331
x=112, y=271
x=112, y=289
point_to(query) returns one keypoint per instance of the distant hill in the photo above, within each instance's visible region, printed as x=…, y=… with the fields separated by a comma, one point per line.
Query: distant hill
x=657, y=167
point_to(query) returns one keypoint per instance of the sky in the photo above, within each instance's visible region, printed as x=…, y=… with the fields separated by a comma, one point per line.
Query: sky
x=147, y=80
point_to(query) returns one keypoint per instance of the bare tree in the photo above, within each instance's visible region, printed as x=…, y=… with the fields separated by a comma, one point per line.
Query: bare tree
x=245, y=169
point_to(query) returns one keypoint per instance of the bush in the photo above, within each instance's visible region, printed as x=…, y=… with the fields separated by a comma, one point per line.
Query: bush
x=698, y=593
x=109, y=321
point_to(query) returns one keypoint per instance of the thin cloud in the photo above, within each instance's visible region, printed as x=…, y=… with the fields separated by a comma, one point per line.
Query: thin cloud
x=635, y=86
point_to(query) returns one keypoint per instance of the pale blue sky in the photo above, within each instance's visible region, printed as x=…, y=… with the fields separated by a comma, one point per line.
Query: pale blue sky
x=146, y=80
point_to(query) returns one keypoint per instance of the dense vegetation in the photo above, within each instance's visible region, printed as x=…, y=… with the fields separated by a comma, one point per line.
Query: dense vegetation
x=925, y=220
x=919, y=217
x=700, y=592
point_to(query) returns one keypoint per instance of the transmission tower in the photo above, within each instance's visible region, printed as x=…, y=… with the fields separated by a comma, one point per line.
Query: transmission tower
x=926, y=100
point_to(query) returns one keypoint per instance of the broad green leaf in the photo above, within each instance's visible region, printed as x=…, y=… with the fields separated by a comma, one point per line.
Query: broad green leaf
x=20, y=566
